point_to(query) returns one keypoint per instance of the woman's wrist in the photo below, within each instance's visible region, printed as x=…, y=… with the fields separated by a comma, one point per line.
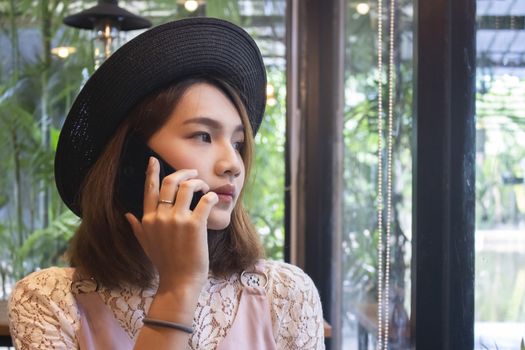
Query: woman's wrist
x=181, y=287
x=153, y=322
x=175, y=304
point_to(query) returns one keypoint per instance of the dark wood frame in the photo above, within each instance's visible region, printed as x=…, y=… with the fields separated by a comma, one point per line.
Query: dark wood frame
x=444, y=175
x=315, y=94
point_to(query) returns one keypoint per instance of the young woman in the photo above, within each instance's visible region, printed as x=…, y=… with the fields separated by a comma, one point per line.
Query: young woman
x=154, y=156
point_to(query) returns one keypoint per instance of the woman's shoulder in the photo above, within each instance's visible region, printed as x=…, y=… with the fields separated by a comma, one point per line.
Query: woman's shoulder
x=50, y=286
x=291, y=277
x=42, y=307
x=297, y=314
x=284, y=270
x=47, y=281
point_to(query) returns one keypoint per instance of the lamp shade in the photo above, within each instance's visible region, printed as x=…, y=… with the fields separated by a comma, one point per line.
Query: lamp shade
x=107, y=9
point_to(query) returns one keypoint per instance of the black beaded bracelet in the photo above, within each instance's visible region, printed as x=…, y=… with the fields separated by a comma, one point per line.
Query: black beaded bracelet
x=167, y=324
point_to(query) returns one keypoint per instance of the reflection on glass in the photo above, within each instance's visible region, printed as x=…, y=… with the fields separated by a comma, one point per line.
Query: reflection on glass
x=360, y=235
x=500, y=170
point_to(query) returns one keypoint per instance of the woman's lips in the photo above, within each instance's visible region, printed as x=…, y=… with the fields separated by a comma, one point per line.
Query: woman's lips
x=226, y=193
x=225, y=197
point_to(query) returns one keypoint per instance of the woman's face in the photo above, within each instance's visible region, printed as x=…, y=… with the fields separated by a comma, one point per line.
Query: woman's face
x=205, y=132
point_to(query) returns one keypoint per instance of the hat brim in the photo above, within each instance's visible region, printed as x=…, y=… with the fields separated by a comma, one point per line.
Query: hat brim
x=152, y=60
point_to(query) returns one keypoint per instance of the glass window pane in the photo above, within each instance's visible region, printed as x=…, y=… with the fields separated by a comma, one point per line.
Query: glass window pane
x=500, y=170
x=360, y=218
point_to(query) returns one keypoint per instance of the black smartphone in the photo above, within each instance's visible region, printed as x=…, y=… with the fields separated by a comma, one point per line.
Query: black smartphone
x=132, y=176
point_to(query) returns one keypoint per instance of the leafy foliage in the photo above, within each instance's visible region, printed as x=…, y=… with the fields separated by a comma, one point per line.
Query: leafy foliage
x=36, y=90
x=265, y=197
x=500, y=199
x=500, y=194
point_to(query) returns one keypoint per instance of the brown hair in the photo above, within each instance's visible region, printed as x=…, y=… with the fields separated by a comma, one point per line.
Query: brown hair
x=104, y=246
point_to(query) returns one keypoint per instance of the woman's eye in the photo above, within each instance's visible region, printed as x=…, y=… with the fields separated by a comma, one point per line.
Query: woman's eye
x=238, y=145
x=203, y=136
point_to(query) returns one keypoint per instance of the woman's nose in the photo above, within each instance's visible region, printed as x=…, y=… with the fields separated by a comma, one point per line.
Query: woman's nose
x=229, y=161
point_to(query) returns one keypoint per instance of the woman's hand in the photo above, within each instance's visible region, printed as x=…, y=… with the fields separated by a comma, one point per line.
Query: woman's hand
x=173, y=236
x=176, y=241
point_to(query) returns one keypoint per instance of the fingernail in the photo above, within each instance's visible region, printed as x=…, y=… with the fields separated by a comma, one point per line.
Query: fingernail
x=151, y=161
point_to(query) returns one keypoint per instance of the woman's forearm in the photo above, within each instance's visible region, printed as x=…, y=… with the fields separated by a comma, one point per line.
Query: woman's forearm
x=172, y=305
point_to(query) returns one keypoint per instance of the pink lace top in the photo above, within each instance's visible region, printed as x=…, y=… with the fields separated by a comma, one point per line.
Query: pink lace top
x=44, y=315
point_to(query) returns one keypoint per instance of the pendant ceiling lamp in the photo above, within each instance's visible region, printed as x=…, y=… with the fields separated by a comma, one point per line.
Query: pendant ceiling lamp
x=106, y=20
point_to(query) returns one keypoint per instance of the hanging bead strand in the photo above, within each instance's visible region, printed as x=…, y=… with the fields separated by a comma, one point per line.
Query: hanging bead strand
x=391, y=91
x=379, y=74
x=384, y=245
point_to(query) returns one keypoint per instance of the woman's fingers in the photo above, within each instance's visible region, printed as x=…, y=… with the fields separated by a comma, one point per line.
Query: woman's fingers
x=175, y=195
x=151, y=187
x=153, y=196
x=207, y=202
x=170, y=187
x=186, y=192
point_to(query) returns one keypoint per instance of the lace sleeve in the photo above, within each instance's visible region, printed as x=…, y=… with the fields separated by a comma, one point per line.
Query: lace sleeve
x=297, y=313
x=42, y=311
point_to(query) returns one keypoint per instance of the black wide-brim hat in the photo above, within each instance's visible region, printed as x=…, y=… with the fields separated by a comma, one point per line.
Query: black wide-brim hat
x=165, y=54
